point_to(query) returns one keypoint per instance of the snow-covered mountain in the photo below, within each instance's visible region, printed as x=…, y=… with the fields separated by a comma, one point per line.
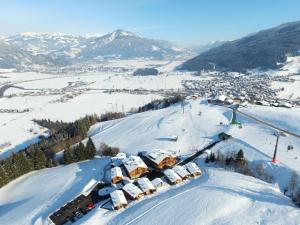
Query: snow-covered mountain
x=11, y=56
x=60, y=49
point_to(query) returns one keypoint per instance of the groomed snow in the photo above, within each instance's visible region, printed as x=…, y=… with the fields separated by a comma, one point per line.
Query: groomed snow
x=218, y=197
x=32, y=198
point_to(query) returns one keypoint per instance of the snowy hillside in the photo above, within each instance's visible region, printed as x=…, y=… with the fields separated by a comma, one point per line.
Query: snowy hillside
x=218, y=196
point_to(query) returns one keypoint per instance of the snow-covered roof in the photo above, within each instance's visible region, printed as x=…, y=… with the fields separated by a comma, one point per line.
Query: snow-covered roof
x=159, y=155
x=132, y=190
x=192, y=168
x=118, y=198
x=157, y=182
x=171, y=175
x=181, y=171
x=116, y=172
x=134, y=162
x=145, y=184
x=221, y=98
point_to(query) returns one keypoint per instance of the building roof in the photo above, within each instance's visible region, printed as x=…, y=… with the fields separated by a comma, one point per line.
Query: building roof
x=132, y=190
x=116, y=172
x=192, y=168
x=118, y=198
x=134, y=162
x=181, y=171
x=157, y=182
x=159, y=155
x=171, y=175
x=145, y=184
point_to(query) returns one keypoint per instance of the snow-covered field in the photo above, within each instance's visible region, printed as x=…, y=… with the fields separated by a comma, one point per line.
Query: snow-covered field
x=47, y=96
x=218, y=197
x=32, y=197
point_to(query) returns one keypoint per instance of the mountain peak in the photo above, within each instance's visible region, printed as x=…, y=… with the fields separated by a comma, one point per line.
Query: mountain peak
x=119, y=33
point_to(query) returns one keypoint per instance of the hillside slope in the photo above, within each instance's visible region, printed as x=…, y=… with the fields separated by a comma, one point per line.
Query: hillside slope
x=263, y=50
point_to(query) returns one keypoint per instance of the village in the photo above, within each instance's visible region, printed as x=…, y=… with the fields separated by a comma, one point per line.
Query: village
x=129, y=179
x=250, y=89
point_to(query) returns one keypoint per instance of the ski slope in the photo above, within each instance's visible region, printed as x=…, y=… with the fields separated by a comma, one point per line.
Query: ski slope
x=32, y=197
x=218, y=197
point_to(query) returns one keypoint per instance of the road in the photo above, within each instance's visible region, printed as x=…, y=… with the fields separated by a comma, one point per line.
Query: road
x=269, y=124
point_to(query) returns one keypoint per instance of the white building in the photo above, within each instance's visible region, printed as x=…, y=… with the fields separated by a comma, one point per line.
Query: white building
x=135, y=166
x=116, y=175
x=181, y=171
x=172, y=177
x=146, y=186
x=132, y=191
x=193, y=169
x=158, y=183
x=118, y=199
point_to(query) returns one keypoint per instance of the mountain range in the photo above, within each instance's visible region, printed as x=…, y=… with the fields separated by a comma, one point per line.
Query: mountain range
x=267, y=49
x=62, y=49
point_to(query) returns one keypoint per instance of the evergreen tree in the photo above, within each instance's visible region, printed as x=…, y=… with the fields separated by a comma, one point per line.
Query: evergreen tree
x=240, y=155
x=207, y=159
x=212, y=157
x=3, y=177
x=68, y=158
x=90, y=149
x=79, y=153
x=39, y=160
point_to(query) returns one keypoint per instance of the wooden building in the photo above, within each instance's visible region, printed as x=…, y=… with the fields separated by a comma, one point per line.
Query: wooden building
x=135, y=166
x=116, y=175
x=193, y=169
x=161, y=158
x=172, y=177
x=118, y=199
x=181, y=171
x=132, y=192
x=146, y=186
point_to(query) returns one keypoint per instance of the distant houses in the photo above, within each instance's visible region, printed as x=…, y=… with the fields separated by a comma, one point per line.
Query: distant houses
x=135, y=166
x=161, y=158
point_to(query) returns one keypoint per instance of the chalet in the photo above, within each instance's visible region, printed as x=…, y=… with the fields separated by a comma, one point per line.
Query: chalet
x=158, y=183
x=193, y=169
x=132, y=191
x=161, y=158
x=135, y=166
x=146, y=186
x=181, y=171
x=116, y=175
x=118, y=199
x=172, y=177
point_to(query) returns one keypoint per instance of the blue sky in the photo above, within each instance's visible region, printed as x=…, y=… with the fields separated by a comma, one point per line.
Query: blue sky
x=185, y=22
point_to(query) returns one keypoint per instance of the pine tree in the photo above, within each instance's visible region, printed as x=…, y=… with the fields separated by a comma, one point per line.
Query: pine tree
x=68, y=158
x=3, y=177
x=79, y=153
x=207, y=159
x=212, y=157
x=90, y=149
x=240, y=155
x=39, y=160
